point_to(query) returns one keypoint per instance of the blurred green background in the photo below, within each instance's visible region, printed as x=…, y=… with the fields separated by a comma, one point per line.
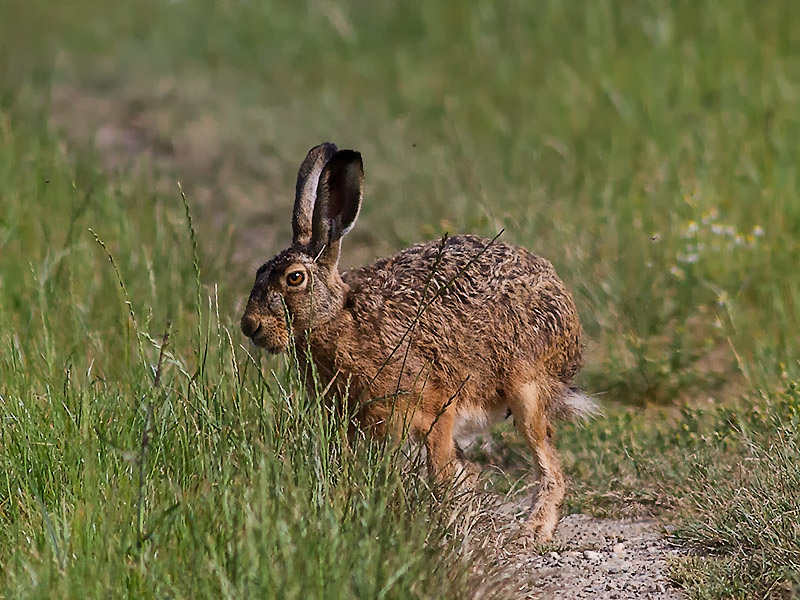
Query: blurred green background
x=646, y=149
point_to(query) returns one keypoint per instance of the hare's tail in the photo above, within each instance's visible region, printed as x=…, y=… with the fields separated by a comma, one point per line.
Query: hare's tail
x=574, y=404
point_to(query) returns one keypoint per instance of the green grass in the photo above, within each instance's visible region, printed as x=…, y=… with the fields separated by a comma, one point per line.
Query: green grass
x=727, y=479
x=220, y=481
x=648, y=150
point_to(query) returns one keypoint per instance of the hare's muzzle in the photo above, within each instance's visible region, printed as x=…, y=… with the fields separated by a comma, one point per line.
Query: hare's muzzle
x=250, y=324
x=265, y=332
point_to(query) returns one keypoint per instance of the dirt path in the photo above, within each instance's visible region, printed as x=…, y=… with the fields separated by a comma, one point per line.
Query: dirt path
x=603, y=558
x=591, y=558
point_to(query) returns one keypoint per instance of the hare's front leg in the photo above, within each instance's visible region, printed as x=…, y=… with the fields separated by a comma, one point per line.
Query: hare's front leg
x=440, y=446
x=528, y=404
x=426, y=419
x=446, y=461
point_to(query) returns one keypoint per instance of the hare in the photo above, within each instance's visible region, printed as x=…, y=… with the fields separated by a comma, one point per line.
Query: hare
x=442, y=338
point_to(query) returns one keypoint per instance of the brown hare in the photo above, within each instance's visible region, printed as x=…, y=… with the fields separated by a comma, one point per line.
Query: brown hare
x=441, y=338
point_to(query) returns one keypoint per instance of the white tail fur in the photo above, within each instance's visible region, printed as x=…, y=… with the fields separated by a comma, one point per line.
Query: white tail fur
x=575, y=404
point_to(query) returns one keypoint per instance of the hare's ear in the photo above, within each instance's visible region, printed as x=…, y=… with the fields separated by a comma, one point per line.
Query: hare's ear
x=338, y=203
x=305, y=193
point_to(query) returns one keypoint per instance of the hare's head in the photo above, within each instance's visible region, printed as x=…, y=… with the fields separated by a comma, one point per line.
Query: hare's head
x=301, y=288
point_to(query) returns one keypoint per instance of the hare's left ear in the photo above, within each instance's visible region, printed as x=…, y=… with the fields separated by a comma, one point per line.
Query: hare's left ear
x=337, y=205
x=306, y=191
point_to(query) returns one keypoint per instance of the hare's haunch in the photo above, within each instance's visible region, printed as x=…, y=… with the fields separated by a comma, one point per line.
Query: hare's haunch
x=440, y=338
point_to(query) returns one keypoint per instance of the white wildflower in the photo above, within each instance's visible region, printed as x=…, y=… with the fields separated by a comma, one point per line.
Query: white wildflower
x=710, y=215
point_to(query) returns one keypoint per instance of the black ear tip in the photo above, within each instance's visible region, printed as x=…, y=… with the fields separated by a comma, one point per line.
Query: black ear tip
x=347, y=157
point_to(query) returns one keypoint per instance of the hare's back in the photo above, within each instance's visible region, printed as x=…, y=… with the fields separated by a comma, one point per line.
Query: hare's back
x=468, y=295
x=473, y=263
x=465, y=269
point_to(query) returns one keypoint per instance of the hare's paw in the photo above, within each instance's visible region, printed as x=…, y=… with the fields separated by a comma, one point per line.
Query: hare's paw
x=543, y=525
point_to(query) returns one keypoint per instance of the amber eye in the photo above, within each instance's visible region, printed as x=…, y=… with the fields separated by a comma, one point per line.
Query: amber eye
x=295, y=278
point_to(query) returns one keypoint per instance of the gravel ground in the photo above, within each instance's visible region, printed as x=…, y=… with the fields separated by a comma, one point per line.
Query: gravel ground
x=617, y=559
x=604, y=558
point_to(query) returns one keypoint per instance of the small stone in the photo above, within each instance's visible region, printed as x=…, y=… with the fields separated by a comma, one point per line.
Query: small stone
x=619, y=549
x=592, y=555
x=654, y=550
x=555, y=556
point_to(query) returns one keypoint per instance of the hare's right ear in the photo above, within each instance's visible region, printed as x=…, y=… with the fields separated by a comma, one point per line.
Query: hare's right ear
x=338, y=203
x=305, y=193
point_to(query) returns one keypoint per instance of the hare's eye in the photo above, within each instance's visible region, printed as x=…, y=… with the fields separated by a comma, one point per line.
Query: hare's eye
x=295, y=278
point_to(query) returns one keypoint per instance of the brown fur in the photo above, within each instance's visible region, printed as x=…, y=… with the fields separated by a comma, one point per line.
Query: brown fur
x=427, y=339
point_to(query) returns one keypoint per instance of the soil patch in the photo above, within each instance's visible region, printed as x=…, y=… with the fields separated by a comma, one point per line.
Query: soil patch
x=605, y=558
x=621, y=559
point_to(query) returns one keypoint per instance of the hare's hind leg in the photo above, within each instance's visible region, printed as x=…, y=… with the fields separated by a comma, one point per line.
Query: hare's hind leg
x=528, y=403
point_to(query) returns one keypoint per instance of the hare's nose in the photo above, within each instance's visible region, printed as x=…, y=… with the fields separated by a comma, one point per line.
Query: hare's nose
x=249, y=324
